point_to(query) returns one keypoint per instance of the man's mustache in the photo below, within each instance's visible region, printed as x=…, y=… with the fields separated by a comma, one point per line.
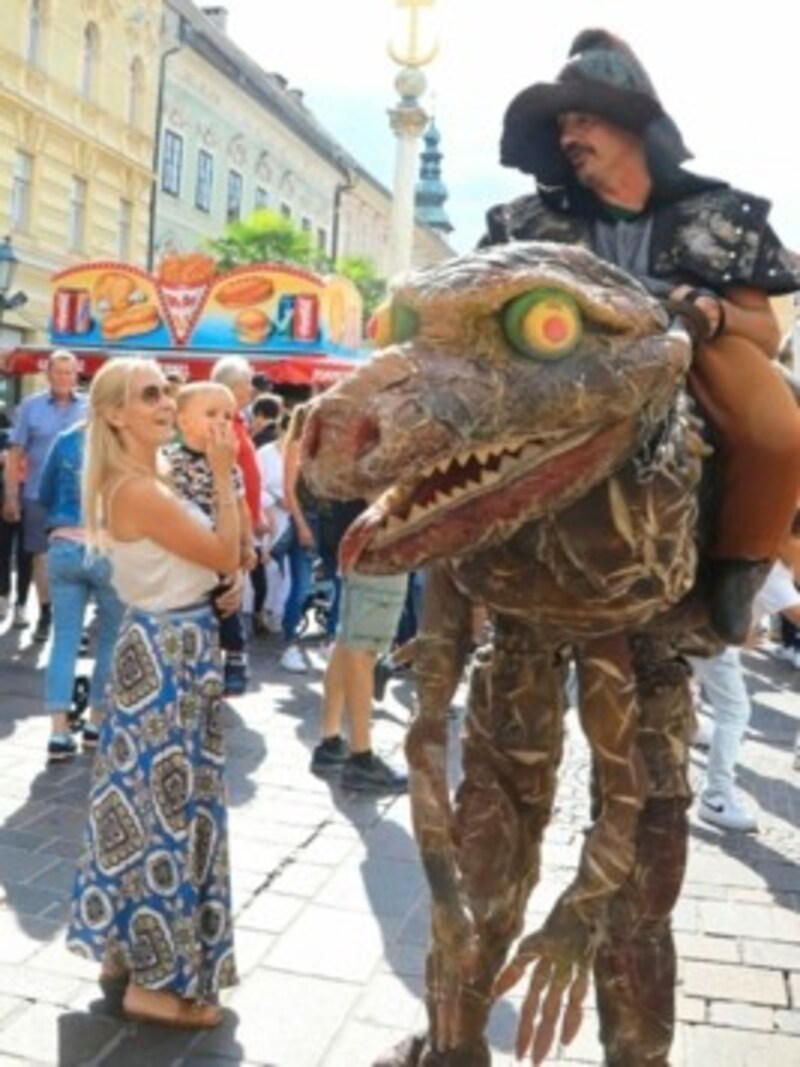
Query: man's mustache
x=575, y=152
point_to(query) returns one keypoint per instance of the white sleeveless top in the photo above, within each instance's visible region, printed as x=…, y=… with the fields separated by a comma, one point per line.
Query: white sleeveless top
x=148, y=576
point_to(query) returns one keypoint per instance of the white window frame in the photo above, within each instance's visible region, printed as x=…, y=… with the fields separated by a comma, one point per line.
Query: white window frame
x=90, y=59
x=125, y=229
x=261, y=197
x=204, y=180
x=172, y=164
x=233, y=210
x=77, y=213
x=21, y=188
x=33, y=46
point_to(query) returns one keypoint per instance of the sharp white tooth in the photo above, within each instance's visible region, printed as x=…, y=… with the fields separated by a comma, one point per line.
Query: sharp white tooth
x=416, y=513
x=443, y=465
x=483, y=453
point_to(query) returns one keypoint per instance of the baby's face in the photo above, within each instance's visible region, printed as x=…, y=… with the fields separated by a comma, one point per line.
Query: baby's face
x=201, y=413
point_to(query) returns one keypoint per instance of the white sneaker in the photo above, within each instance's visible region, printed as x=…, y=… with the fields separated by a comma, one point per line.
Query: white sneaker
x=727, y=812
x=3, y=608
x=701, y=738
x=293, y=660
x=273, y=623
x=20, y=617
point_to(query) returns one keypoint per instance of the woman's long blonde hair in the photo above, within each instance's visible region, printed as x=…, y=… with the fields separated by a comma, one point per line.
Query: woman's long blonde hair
x=105, y=456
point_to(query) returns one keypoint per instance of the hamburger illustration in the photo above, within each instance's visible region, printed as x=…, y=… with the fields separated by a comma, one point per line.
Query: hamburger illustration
x=252, y=326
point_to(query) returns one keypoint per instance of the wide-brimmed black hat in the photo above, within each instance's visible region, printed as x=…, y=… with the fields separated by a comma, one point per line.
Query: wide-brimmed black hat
x=603, y=77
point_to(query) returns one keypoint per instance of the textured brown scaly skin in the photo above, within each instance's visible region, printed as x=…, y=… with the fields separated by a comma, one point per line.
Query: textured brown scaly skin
x=561, y=494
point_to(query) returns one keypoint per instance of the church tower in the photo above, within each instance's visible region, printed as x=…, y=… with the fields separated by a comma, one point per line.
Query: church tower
x=431, y=192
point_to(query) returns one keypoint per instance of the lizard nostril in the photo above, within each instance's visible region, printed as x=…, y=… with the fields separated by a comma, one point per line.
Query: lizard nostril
x=366, y=435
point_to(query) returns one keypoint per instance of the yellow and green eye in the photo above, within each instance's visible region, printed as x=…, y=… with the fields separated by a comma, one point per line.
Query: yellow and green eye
x=392, y=323
x=545, y=324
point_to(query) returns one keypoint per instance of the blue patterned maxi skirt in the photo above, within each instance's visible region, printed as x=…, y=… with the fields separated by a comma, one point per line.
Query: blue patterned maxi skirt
x=152, y=890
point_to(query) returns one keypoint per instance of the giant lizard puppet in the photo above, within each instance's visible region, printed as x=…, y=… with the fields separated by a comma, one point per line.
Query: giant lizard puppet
x=526, y=435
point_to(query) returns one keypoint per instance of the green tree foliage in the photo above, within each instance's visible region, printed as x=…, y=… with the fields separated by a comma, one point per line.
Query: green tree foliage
x=264, y=237
x=268, y=237
x=363, y=273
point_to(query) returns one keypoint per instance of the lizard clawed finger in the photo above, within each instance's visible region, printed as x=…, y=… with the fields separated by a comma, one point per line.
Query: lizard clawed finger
x=551, y=1010
x=573, y=1013
x=530, y=1005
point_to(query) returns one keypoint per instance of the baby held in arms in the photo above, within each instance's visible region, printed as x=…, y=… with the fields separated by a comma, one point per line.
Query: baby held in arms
x=201, y=406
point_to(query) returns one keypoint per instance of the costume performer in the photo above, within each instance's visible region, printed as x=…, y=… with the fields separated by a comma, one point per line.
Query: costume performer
x=606, y=158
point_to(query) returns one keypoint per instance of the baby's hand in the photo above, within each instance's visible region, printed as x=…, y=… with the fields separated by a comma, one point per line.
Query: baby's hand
x=221, y=449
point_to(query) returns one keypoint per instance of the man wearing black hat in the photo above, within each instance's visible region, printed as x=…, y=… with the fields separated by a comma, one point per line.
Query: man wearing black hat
x=607, y=162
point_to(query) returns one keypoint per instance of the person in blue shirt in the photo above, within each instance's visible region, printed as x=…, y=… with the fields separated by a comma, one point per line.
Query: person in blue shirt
x=39, y=420
x=76, y=575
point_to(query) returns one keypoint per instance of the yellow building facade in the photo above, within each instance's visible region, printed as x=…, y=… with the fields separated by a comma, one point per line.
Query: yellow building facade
x=78, y=87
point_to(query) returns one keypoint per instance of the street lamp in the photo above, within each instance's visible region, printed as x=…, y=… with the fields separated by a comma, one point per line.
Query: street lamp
x=8, y=267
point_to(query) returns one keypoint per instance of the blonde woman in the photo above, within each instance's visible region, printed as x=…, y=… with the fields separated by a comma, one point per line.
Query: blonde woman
x=152, y=895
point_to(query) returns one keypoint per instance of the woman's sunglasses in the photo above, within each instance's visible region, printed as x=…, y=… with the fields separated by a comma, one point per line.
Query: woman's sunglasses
x=153, y=394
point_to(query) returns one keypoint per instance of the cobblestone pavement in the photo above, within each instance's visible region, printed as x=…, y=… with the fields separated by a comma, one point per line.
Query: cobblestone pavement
x=331, y=914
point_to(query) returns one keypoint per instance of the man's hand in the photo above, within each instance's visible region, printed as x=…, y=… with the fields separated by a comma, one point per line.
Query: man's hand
x=704, y=303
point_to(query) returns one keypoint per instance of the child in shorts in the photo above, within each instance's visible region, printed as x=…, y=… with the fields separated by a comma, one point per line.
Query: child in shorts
x=199, y=406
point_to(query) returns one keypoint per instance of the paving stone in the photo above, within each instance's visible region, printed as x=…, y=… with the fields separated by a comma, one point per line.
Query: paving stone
x=708, y=1046
x=269, y=912
x=788, y=1022
x=267, y=1026
x=393, y=1001
x=361, y=1043
x=332, y=944
x=46, y=1034
x=770, y=954
x=21, y=936
x=767, y=923
x=699, y=947
x=141, y=1043
x=723, y=982
x=741, y=1016
x=382, y=886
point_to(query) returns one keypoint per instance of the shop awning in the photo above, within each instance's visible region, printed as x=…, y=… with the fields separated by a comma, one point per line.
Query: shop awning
x=308, y=369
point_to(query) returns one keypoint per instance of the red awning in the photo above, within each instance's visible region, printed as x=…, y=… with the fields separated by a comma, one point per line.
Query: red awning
x=306, y=370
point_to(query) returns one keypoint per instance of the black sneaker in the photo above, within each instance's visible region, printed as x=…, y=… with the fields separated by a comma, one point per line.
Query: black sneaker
x=42, y=631
x=235, y=679
x=329, y=756
x=372, y=775
x=61, y=747
x=90, y=736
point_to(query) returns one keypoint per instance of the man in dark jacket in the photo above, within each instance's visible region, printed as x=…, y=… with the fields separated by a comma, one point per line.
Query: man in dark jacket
x=607, y=161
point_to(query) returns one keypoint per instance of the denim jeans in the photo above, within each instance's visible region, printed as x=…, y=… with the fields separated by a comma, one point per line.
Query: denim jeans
x=13, y=554
x=723, y=686
x=75, y=577
x=301, y=573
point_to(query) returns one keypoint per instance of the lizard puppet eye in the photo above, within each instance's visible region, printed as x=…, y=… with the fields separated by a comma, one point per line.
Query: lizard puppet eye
x=544, y=324
x=392, y=323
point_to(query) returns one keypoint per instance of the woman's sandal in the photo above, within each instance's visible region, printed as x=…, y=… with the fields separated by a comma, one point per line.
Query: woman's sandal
x=168, y=1009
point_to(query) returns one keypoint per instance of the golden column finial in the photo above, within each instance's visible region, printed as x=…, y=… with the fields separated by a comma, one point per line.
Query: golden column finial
x=413, y=57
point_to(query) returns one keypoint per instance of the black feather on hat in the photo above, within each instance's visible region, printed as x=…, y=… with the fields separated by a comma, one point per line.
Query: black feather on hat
x=602, y=77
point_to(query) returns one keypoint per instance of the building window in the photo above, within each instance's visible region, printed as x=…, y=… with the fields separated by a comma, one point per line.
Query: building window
x=35, y=18
x=91, y=56
x=173, y=163
x=261, y=198
x=125, y=229
x=135, y=91
x=234, y=211
x=286, y=211
x=20, y=214
x=305, y=224
x=205, y=180
x=77, y=214
x=322, y=239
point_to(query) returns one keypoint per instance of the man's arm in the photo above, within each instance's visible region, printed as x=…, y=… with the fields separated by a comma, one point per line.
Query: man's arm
x=13, y=476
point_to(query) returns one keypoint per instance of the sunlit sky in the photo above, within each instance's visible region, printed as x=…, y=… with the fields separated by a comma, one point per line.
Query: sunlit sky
x=728, y=73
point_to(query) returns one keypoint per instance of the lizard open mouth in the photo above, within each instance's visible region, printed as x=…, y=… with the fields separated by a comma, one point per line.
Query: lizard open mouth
x=461, y=501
